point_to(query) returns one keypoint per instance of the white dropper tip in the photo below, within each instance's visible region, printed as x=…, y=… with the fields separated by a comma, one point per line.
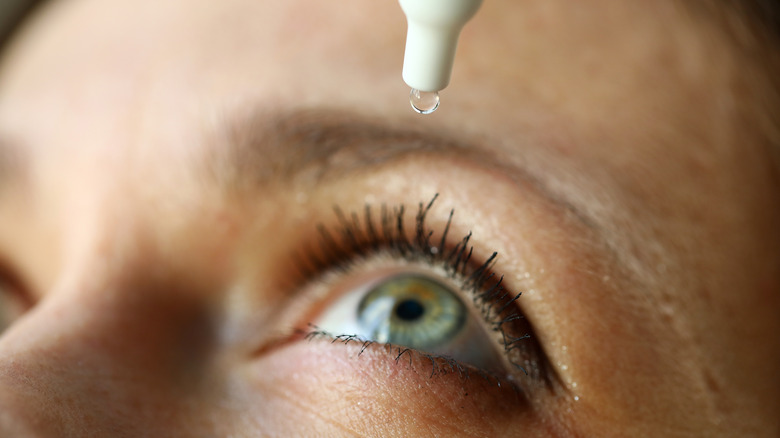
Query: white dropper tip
x=431, y=39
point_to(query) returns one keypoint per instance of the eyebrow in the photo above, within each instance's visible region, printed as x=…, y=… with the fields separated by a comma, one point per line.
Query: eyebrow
x=313, y=146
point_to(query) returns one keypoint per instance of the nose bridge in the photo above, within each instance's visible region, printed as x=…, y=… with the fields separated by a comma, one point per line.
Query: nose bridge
x=133, y=340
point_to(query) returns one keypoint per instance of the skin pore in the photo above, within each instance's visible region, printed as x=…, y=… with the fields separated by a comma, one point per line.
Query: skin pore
x=163, y=165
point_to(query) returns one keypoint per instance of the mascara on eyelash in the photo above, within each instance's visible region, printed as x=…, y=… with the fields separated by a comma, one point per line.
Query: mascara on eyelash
x=440, y=365
x=357, y=238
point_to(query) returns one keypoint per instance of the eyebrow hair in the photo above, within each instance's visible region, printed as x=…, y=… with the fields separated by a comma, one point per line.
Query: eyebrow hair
x=313, y=146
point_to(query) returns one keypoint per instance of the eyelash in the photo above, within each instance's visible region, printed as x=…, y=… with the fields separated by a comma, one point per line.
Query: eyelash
x=358, y=238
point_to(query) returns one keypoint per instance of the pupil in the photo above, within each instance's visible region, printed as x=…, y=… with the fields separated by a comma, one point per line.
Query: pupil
x=409, y=310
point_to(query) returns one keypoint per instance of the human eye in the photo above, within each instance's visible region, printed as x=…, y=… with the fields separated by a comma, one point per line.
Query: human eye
x=421, y=295
x=415, y=311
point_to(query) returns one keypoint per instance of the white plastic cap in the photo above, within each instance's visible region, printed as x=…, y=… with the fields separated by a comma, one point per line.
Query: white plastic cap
x=431, y=39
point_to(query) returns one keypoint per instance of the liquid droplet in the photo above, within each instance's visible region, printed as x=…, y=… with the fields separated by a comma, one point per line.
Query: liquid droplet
x=424, y=102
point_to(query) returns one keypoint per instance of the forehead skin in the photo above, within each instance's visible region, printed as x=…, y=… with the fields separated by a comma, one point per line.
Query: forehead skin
x=643, y=116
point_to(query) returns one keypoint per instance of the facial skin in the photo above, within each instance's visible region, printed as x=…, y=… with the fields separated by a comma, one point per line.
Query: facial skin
x=163, y=164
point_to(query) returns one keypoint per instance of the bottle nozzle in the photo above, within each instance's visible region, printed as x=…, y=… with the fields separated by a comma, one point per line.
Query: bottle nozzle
x=432, y=37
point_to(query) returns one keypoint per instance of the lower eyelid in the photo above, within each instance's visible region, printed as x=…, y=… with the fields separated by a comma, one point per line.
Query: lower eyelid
x=402, y=386
x=432, y=365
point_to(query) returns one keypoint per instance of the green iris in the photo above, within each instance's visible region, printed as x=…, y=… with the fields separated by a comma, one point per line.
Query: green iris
x=412, y=310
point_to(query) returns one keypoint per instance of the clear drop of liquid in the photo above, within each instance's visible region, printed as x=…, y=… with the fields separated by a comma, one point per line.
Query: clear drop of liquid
x=424, y=102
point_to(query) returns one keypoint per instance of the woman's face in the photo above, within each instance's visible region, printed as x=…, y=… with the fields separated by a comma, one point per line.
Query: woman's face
x=197, y=196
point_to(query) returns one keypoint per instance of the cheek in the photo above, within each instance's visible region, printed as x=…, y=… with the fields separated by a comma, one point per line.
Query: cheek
x=328, y=387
